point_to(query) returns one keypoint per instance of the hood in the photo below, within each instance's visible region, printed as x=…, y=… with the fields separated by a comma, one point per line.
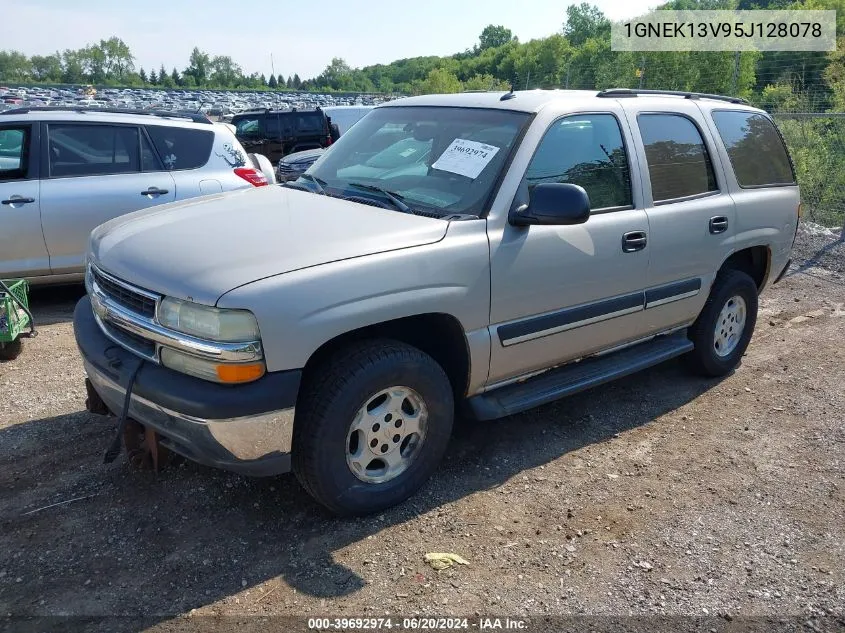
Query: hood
x=306, y=156
x=201, y=248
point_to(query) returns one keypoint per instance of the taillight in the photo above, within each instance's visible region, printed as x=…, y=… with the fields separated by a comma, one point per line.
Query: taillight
x=252, y=176
x=328, y=141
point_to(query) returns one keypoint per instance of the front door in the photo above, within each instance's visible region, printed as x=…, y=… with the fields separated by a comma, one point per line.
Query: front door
x=563, y=292
x=23, y=252
x=95, y=172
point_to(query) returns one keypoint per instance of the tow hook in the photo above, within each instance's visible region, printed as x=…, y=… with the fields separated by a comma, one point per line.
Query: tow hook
x=143, y=447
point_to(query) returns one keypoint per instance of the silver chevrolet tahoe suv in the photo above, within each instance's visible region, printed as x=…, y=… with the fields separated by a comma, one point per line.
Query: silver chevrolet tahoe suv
x=508, y=250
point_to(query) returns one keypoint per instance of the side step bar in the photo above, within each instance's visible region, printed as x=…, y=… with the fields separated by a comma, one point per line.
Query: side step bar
x=575, y=377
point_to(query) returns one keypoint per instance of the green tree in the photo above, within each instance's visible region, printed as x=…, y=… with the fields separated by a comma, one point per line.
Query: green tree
x=174, y=77
x=153, y=78
x=164, y=78
x=494, y=36
x=94, y=63
x=272, y=83
x=15, y=66
x=225, y=73
x=198, y=67
x=439, y=81
x=73, y=68
x=117, y=58
x=583, y=22
x=143, y=75
x=47, y=68
x=289, y=82
x=297, y=82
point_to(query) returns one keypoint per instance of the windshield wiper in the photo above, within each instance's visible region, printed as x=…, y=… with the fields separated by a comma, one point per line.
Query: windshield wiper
x=317, y=181
x=394, y=197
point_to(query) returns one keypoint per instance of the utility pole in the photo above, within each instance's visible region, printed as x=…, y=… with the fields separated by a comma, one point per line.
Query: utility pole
x=527, y=79
x=272, y=66
x=735, y=79
x=568, y=68
x=642, y=72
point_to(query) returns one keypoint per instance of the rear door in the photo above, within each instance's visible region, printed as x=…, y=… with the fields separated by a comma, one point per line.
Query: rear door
x=185, y=153
x=94, y=172
x=691, y=214
x=23, y=252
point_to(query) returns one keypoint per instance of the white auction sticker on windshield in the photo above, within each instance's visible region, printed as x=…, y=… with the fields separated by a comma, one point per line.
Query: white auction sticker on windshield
x=466, y=158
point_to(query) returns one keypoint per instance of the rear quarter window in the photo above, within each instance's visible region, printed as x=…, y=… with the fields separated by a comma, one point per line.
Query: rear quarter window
x=757, y=153
x=181, y=148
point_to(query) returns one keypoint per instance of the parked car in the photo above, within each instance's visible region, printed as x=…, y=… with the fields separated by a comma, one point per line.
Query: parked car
x=293, y=165
x=275, y=133
x=62, y=173
x=534, y=244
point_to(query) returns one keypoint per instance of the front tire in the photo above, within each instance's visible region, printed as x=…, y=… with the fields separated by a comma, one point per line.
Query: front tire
x=723, y=330
x=372, y=427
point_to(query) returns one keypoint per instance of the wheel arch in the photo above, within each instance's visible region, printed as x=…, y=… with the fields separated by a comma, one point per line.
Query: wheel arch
x=438, y=334
x=755, y=261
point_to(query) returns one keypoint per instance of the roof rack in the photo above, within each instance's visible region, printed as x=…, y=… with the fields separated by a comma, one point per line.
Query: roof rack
x=635, y=92
x=196, y=117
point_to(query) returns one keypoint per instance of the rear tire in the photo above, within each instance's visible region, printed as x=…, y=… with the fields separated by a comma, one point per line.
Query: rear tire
x=372, y=399
x=723, y=330
x=10, y=351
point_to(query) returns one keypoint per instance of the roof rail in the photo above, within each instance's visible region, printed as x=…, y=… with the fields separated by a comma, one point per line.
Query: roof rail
x=196, y=117
x=635, y=92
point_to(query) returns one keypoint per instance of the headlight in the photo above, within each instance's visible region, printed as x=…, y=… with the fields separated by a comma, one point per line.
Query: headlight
x=227, y=326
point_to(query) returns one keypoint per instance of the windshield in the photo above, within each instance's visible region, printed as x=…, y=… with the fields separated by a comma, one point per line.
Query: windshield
x=438, y=160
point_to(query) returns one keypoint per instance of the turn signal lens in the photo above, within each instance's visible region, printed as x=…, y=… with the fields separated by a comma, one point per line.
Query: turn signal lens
x=209, y=369
x=240, y=373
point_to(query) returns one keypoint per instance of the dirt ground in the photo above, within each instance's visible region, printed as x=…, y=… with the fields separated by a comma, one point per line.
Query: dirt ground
x=662, y=494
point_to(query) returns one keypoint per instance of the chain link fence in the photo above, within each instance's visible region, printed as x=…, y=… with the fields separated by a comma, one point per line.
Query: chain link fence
x=817, y=144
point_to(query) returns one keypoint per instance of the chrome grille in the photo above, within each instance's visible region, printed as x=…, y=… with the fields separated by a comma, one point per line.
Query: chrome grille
x=132, y=342
x=125, y=296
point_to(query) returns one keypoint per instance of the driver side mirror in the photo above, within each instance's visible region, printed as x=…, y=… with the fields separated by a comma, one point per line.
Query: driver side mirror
x=553, y=203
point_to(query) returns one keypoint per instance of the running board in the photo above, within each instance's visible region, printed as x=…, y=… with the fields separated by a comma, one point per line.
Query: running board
x=575, y=377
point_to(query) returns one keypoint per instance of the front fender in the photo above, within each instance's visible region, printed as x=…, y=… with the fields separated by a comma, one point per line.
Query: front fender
x=300, y=311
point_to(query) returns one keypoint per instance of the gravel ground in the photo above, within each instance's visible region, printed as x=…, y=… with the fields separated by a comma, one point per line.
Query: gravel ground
x=661, y=494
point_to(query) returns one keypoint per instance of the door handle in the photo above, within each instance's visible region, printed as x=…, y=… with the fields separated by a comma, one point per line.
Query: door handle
x=718, y=224
x=17, y=200
x=634, y=241
x=154, y=191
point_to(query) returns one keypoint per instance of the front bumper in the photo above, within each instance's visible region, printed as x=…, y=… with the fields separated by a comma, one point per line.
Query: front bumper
x=242, y=428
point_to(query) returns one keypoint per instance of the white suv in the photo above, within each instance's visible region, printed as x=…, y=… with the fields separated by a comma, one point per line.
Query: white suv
x=63, y=172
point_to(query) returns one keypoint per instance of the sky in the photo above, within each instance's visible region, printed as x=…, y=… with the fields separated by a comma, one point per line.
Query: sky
x=302, y=37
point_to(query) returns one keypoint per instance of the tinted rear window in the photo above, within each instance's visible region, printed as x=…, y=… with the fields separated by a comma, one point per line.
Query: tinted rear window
x=181, y=148
x=757, y=153
x=303, y=123
x=677, y=158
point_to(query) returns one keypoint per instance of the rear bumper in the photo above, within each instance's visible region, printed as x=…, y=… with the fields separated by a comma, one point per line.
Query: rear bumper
x=245, y=428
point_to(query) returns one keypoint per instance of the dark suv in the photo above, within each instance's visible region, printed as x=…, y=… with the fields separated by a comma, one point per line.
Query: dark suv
x=278, y=133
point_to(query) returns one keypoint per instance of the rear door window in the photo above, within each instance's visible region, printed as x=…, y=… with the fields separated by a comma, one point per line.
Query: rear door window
x=92, y=150
x=181, y=148
x=304, y=124
x=758, y=155
x=14, y=152
x=678, y=163
x=272, y=127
